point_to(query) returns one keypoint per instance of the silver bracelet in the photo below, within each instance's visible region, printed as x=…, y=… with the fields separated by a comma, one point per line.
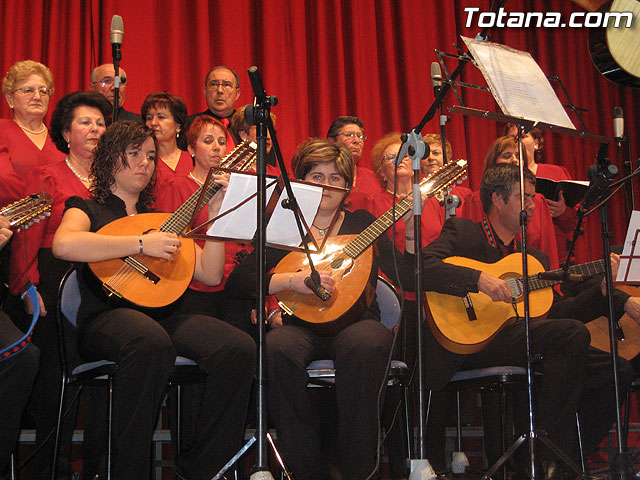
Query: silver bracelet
x=272, y=313
x=290, y=279
x=140, y=243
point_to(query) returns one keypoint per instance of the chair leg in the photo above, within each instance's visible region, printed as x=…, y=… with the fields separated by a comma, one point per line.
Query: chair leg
x=408, y=423
x=458, y=421
x=56, y=445
x=178, y=427
x=13, y=467
x=110, y=428
x=583, y=460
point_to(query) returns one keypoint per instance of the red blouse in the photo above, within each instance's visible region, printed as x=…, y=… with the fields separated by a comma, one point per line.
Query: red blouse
x=61, y=183
x=164, y=173
x=176, y=191
x=19, y=156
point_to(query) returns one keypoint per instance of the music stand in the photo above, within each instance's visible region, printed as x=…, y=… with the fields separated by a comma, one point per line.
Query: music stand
x=501, y=83
x=629, y=271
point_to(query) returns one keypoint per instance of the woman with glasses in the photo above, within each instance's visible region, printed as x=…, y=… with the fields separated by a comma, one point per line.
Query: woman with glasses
x=24, y=139
x=77, y=123
x=166, y=114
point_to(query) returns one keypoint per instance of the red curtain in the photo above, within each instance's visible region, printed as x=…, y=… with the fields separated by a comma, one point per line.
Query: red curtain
x=322, y=58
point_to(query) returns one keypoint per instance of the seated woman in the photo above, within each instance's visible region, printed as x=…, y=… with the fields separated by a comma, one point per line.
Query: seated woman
x=360, y=350
x=539, y=225
x=206, y=142
x=145, y=342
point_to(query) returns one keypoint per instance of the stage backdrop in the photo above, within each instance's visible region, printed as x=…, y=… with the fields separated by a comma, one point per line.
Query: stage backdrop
x=322, y=59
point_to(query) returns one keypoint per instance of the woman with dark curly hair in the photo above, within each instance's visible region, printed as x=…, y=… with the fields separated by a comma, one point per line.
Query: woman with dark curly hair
x=77, y=123
x=166, y=115
x=145, y=342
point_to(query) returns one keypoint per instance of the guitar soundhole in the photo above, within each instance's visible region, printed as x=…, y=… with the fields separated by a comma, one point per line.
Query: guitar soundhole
x=336, y=263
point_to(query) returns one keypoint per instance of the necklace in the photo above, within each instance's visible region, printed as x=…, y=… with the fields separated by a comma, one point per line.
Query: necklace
x=33, y=132
x=195, y=179
x=321, y=231
x=82, y=179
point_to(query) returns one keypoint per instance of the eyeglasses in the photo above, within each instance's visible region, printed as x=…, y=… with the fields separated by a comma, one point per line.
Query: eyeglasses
x=108, y=81
x=359, y=136
x=389, y=157
x=31, y=91
x=226, y=85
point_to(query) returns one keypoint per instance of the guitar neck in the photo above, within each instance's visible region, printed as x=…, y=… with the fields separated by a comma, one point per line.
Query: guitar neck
x=431, y=186
x=587, y=269
x=241, y=159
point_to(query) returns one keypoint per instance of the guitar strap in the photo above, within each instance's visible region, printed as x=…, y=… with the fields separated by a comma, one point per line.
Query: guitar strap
x=491, y=238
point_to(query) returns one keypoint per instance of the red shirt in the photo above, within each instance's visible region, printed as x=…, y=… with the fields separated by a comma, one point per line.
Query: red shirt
x=164, y=173
x=564, y=224
x=61, y=183
x=176, y=191
x=19, y=156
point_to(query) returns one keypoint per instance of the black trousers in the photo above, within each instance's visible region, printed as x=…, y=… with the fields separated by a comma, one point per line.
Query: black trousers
x=16, y=380
x=360, y=352
x=145, y=351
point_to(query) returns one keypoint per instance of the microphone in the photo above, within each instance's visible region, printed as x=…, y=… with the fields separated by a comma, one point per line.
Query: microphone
x=117, y=34
x=562, y=276
x=436, y=78
x=618, y=124
x=598, y=188
x=317, y=288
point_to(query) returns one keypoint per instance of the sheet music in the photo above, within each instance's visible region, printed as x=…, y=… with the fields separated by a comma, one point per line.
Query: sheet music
x=282, y=229
x=629, y=271
x=518, y=83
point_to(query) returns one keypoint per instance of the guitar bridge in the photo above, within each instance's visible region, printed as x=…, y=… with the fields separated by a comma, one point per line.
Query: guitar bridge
x=142, y=269
x=110, y=291
x=468, y=306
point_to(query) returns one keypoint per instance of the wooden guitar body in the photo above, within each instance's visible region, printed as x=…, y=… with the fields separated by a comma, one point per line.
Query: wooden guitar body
x=599, y=330
x=452, y=323
x=123, y=280
x=355, y=281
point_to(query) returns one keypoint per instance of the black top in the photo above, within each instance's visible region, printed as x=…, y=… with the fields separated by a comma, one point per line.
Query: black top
x=242, y=281
x=462, y=237
x=127, y=115
x=182, y=138
x=94, y=301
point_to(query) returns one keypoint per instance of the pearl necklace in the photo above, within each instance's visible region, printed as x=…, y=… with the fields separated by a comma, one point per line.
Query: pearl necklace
x=195, y=179
x=82, y=179
x=33, y=132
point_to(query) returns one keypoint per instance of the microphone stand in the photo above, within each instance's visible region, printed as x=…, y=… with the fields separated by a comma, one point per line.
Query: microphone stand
x=622, y=465
x=117, y=56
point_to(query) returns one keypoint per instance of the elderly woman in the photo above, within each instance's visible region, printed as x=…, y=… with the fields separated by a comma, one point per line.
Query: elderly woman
x=145, y=342
x=77, y=124
x=166, y=114
x=360, y=350
x=24, y=139
x=540, y=233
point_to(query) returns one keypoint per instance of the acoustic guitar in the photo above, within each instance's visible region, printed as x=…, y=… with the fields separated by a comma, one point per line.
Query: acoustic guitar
x=466, y=324
x=27, y=211
x=155, y=282
x=629, y=347
x=349, y=258
x=614, y=50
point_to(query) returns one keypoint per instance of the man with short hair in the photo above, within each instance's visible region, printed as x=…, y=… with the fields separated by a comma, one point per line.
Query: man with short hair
x=576, y=378
x=221, y=91
x=349, y=131
x=102, y=81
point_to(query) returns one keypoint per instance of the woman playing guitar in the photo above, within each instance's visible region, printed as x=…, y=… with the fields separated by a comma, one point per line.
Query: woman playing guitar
x=144, y=342
x=360, y=350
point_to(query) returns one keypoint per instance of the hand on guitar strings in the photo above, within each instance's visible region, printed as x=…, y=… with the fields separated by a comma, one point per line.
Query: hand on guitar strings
x=160, y=244
x=297, y=281
x=5, y=232
x=216, y=201
x=496, y=288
